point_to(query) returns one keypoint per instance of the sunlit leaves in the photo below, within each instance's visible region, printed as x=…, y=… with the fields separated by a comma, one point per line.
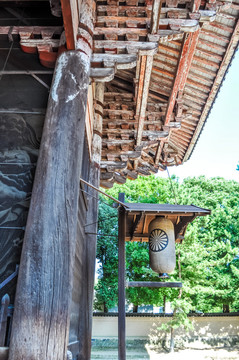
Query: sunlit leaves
x=209, y=253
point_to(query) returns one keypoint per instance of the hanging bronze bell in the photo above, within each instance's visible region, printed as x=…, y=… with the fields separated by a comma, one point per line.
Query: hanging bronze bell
x=162, y=256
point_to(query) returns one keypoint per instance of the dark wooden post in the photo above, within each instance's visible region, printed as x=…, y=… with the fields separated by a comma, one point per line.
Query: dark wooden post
x=85, y=326
x=121, y=282
x=42, y=304
x=3, y=318
x=85, y=43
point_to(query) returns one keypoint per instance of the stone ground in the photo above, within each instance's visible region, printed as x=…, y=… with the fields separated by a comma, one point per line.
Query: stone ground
x=198, y=354
x=142, y=353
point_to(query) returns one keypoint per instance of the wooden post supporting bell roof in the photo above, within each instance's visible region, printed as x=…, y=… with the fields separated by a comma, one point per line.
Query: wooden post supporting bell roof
x=121, y=282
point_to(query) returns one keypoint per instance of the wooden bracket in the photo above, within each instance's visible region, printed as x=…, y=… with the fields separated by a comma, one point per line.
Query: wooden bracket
x=135, y=224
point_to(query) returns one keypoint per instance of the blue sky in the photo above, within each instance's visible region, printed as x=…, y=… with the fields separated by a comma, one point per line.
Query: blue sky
x=217, y=150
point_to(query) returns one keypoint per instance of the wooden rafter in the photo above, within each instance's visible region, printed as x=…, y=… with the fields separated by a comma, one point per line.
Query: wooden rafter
x=221, y=72
x=184, y=64
x=155, y=16
x=121, y=36
x=145, y=75
x=142, y=95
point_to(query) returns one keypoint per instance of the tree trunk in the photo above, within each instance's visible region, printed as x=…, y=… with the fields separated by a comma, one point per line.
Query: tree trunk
x=135, y=308
x=164, y=304
x=43, y=298
x=105, y=308
x=164, y=342
x=171, y=349
x=226, y=308
x=172, y=342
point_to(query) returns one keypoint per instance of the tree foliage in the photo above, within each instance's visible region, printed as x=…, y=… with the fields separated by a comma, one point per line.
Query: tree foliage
x=107, y=256
x=209, y=254
x=211, y=246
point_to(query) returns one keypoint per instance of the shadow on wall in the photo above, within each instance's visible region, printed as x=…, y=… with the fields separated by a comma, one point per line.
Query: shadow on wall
x=207, y=332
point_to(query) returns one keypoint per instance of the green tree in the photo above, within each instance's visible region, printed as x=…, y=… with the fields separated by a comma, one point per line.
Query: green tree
x=149, y=189
x=211, y=243
x=181, y=307
x=107, y=256
x=137, y=269
x=144, y=190
x=209, y=253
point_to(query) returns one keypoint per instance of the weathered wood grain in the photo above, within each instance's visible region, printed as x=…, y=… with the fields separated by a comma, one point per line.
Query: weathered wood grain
x=42, y=305
x=55, y=7
x=90, y=240
x=185, y=60
x=155, y=16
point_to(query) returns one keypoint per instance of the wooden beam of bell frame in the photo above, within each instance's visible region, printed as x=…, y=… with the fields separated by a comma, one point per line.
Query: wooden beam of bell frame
x=153, y=284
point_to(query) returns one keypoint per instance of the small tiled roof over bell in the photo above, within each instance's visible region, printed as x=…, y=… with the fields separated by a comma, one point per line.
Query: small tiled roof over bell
x=139, y=215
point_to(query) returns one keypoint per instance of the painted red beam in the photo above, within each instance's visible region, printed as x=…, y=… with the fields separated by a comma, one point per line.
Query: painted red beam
x=191, y=50
x=196, y=5
x=184, y=64
x=71, y=22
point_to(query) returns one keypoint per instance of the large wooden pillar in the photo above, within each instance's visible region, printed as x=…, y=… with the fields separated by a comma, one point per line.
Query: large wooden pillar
x=121, y=282
x=85, y=325
x=42, y=305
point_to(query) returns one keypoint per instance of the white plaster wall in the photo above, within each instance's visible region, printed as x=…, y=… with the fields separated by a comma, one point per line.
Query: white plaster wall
x=141, y=327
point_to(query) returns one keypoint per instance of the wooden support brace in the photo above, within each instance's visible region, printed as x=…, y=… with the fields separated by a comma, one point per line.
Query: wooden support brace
x=135, y=224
